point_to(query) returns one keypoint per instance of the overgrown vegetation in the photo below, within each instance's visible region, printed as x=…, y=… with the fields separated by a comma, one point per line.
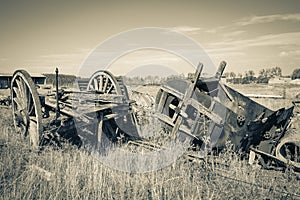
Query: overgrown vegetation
x=71, y=173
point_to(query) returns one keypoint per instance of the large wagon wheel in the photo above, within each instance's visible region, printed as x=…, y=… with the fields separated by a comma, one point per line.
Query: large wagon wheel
x=26, y=107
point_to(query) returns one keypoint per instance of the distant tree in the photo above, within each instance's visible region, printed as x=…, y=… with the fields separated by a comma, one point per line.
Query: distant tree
x=251, y=73
x=232, y=75
x=246, y=76
x=262, y=73
x=250, y=76
x=269, y=73
x=277, y=71
x=296, y=74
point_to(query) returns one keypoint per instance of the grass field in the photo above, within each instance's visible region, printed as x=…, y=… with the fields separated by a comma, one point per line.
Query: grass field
x=71, y=173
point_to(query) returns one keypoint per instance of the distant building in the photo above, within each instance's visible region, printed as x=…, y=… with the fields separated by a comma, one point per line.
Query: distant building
x=5, y=79
x=278, y=80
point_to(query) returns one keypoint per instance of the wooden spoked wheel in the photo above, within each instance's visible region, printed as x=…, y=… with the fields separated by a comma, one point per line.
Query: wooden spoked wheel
x=26, y=107
x=104, y=82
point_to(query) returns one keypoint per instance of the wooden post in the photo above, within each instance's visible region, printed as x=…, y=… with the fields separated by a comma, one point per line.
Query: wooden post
x=57, y=112
x=182, y=105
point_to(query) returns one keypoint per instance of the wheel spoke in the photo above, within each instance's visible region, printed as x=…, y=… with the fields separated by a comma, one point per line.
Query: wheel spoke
x=21, y=92
x=100, y=83
x=17, y=92
x=110, y=88
x=20, y=105
x=30, y=110
x=18, y=117
x=19, y=99
x=21, y=87
x=96, y=84
x=20, y=123
x=91, y=87
x=105, y=84
x=32, y=132
x=28, y=99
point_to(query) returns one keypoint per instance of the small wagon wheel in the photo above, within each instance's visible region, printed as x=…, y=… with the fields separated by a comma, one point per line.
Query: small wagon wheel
x=288, y=151
x=26, y=107
x=104, y=82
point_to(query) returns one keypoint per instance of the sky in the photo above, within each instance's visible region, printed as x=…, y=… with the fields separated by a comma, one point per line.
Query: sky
x=249, y=35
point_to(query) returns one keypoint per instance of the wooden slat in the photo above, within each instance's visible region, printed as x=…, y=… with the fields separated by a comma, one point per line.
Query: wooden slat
x=183, y=104
x=162, y=102
x=164, y=118
x=187, y=131
x=227, y=92
x=202, y=109
x=264, y=96
x=172, y=91
x=66, y=111
x=99, y=131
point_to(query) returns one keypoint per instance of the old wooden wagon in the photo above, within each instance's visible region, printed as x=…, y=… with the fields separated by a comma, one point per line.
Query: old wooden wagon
x=103, y=113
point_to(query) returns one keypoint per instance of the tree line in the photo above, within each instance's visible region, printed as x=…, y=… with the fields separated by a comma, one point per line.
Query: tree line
x=63, y=79
x=264, y=75
x=150, y=80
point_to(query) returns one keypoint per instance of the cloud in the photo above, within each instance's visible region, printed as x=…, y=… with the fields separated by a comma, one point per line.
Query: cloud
x=59, y=56
x=186, y=29
x=147, y=57
x=289, y=53
x=267, y=19
x=234, y=33
x=292, y=38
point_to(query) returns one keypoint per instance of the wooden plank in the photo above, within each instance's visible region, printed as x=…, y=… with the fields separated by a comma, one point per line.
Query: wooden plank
x=66, y=111
x=100, y=131
x=183, y=114
x=164, y=118
x=264, y=96
x=187, y=131
x=98, y=108
x=101, y=84
x=114, y=115
x=189, y=93
x=183, y=104
x=162, y=102
x=172, y=91
x=176, y=126
x=226, y=92
x=202, y=109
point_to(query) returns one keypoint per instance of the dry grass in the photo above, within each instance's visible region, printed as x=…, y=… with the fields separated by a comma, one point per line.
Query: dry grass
x=70, y=173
